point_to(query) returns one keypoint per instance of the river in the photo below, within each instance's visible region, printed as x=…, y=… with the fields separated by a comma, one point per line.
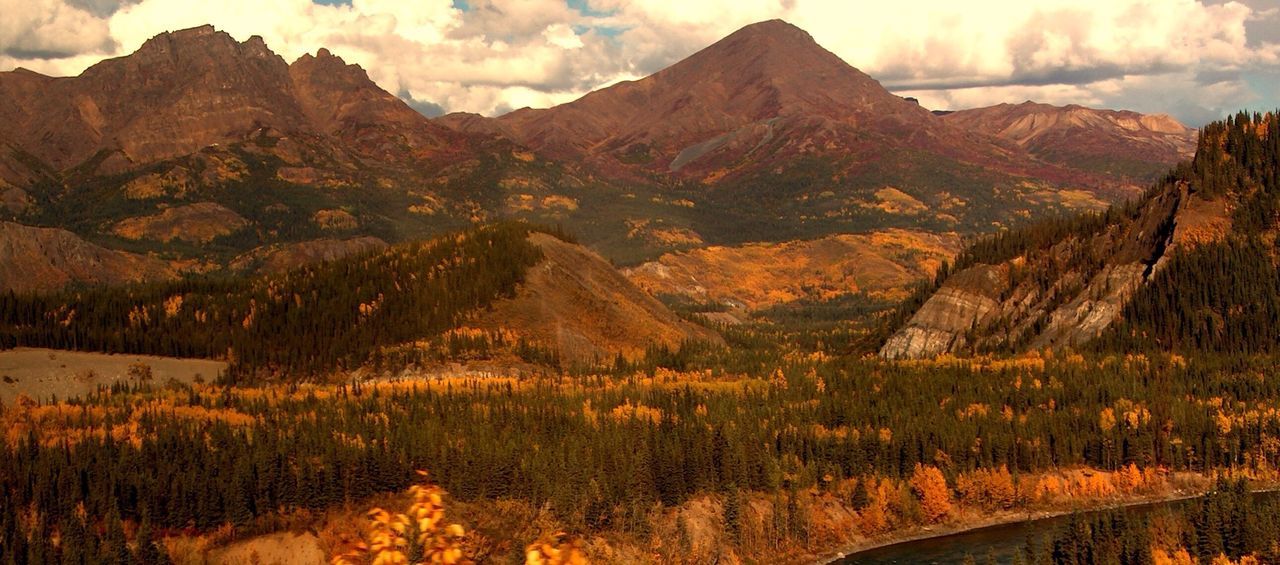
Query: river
x=1003, y=542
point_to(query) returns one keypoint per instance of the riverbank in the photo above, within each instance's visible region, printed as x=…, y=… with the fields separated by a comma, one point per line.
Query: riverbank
x=970, y=524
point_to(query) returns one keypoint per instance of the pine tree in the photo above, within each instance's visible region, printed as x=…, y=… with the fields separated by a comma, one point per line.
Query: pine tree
x=148, y=549
x=733, y=514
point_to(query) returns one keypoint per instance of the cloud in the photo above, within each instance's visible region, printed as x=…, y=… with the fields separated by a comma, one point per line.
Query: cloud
x=496, y=55
x=50, y=29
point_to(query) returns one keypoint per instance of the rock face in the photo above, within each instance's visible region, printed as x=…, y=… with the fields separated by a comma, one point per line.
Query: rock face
x=1117, y=143
x=760, y=275
x=43, y=259
x=194, y=223
x=1066, y=293
x=577, y=303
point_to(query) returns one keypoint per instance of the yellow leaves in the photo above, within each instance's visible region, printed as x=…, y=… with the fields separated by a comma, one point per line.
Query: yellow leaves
x=1224, y=422
x=886, y=435
x=1222, y=559
x=931, y=489
x=1107, y=419
x=368, y=309
x=991, y=489
x=173, y=305
x=390, y=535
x=1048, y=489
x=139, y=316
x=1179, y=557
x=627, y=411
x=972, y=411
x=1129, y=478
x=778, y=379
x=554, y=551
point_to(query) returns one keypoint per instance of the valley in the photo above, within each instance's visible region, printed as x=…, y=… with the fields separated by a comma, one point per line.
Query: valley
x=751, y=307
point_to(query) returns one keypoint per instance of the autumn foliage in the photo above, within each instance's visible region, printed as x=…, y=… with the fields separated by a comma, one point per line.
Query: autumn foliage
x=419, y=531
x=930, y=487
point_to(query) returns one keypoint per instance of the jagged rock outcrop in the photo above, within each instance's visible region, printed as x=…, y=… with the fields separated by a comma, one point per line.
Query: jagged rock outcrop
x=42, y=259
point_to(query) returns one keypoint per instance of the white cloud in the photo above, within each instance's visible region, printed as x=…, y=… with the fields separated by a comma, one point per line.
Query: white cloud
x=46, y=29
x=502, y=54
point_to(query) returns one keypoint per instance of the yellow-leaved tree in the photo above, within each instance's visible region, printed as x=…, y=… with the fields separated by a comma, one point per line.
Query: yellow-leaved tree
x=392, y=538
x=421, y=531
x=931, y=488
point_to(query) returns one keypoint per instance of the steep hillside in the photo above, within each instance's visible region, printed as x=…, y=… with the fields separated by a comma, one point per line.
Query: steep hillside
x=344, y=313
x=755, y=276
x=574, y=302
x=45, y=259
x=1191, y=265
x=1119, y=144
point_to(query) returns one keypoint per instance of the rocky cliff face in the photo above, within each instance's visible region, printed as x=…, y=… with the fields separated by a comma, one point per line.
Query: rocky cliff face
x=43, y=259
x=1066, y=293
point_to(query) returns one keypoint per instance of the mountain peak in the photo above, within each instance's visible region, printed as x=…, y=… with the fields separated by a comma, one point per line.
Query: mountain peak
x=773, y=29
x=739, y=86
x=198, y=34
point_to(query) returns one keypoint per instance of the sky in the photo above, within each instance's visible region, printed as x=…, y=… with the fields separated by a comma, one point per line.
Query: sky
x=1194, y=59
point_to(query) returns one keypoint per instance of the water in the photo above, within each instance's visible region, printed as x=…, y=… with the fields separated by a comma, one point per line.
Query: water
x=1001, y=542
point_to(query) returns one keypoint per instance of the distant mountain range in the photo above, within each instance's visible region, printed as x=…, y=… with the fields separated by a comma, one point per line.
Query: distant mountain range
x=202, y=151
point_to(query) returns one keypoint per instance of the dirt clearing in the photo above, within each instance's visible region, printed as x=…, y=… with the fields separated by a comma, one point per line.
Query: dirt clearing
x=43, y=373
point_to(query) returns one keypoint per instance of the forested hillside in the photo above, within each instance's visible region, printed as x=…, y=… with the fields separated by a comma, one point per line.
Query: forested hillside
x=305, y=322
x=1191, y=265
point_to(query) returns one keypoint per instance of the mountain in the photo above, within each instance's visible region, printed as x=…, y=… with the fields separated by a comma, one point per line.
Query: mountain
x=1191, y=265
x=577, y=304
x=194, y=122
x=1121, y=144
x=771, y=137
x=44, y=259
x=184, y=91
x=202, y=149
